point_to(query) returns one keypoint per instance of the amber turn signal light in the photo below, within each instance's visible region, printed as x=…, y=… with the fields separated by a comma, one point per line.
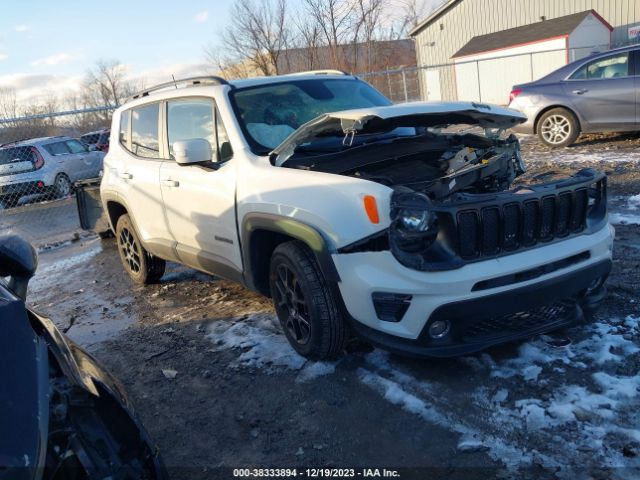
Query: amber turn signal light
x=371, y=207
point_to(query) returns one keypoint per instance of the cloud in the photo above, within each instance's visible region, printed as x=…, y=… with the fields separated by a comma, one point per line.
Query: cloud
x=22, y=28
x=3, y=56
x=29, y=87
x=52, y=60
x=201, y=17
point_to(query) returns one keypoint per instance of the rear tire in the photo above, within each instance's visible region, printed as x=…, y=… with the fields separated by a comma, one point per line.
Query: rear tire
x=62, y=186
x=304, y=303
x=558, y=128
x=141, y=266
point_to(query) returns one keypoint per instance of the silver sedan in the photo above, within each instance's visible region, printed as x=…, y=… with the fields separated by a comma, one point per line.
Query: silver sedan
x=600, y=93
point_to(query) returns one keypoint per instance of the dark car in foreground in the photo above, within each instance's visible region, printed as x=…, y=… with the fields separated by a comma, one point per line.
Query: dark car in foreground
x=600, y=93
x=62, y=416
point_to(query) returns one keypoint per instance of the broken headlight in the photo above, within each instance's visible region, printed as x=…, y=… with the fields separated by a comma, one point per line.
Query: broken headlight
x=414, y=224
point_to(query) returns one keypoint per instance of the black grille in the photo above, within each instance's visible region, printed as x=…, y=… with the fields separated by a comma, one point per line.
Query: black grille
x=519, y=321
x=489, y=230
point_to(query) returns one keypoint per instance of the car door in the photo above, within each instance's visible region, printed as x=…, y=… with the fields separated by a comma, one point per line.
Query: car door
x=603, y=92
x=82, y=162
x=138, y=176
x=199, y=200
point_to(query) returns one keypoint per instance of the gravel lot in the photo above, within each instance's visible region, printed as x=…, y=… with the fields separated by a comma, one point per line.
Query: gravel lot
x=242, y=398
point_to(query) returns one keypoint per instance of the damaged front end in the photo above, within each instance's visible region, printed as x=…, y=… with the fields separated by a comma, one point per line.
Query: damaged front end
x=453, y=201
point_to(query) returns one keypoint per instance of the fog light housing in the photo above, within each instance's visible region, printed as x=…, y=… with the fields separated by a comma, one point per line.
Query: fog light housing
x=439, y=328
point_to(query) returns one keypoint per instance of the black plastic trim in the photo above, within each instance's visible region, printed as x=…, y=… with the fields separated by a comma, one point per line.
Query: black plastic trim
x=291, y=228
x=569, y=288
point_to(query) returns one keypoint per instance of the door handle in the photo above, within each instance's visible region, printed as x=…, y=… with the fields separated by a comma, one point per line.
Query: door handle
x=580, y=91
x=171, y=183
x=126, y=176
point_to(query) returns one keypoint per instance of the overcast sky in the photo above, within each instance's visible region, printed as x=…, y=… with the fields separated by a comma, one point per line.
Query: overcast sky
x=46, y=46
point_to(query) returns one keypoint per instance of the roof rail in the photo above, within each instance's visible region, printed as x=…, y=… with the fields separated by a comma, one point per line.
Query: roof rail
x=319, y=72
x=188, y=82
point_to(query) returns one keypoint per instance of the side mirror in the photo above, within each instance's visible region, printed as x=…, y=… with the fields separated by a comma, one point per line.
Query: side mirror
x=18, y=261
x=192, y=151
x=92, y=148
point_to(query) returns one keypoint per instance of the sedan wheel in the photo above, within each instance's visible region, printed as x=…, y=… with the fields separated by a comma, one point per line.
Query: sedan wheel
x=558, y=128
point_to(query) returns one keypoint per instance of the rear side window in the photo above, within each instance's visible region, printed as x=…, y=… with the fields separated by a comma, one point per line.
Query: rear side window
x=75, y=146
x=58, y=148
x=124, y=128
x=144, y=131
x=104, y=138
x=610, y=67
x=89, y=139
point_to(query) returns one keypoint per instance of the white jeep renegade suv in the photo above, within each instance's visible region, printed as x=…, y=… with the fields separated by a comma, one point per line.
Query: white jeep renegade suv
x=355, y=215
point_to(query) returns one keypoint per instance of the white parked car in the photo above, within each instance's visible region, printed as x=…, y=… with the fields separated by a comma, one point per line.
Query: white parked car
x=46, y=166
x=354, y=215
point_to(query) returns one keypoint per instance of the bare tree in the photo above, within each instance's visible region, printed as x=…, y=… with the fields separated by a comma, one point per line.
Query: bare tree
x=106, y=85
x=259, y=31
x=8, y=103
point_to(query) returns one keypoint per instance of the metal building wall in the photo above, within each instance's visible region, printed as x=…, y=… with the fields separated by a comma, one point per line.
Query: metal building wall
x=437, y=42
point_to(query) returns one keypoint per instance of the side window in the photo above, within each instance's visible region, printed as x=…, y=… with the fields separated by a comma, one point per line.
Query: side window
x=124, y=128
x=610, y=67
x=144, y=131
x=191, y=118
x=75, y=146
x=224, y=145
x=58, y=148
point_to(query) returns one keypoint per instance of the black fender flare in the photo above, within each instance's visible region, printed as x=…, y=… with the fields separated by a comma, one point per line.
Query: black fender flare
x=289, y=227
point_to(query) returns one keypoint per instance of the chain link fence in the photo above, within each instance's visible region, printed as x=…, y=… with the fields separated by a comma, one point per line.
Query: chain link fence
x=42, y=157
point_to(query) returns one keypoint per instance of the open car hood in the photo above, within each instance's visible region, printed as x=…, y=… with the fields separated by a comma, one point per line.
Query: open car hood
x=382, y=119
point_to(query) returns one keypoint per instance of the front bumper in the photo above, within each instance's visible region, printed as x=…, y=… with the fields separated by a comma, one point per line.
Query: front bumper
x=504, y=317
x=454, y=295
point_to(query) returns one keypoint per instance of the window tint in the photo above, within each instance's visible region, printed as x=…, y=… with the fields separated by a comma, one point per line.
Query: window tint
x=124, y=127
x=104, y=139
x=224, y=145
x=16, y=154
x=59, y=148
x=610, y=67
x=89, y=139
x=144, y=131
x=75, y=146
x=191, y=118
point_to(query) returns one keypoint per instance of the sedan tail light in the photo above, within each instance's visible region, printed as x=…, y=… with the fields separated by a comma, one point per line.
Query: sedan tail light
x=514, y=93
x=39, y=163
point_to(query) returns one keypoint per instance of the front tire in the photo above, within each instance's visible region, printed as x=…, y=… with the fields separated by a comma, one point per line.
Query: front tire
x=141, y=266
x=558, y=128
x=304, y=303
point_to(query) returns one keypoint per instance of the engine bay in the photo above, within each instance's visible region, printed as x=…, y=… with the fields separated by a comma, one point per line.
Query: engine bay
x=434, y=163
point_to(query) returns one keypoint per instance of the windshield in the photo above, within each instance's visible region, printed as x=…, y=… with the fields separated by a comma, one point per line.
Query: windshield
x=268, y=114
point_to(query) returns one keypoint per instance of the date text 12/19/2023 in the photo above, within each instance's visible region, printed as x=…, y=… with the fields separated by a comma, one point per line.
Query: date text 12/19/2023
x=241, y=473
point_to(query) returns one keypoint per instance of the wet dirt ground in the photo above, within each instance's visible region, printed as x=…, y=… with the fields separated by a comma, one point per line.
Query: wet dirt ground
x=241, y=397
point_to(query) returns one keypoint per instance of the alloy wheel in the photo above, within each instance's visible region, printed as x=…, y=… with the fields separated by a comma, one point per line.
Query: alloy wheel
x=63, y=186
x=556, y=129
x=130, y=250
x=290, y=300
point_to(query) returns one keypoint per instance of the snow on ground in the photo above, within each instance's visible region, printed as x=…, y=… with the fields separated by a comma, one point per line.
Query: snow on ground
x=261, y=344
x=572, y=399
x=625, y=210
x=582, y=419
